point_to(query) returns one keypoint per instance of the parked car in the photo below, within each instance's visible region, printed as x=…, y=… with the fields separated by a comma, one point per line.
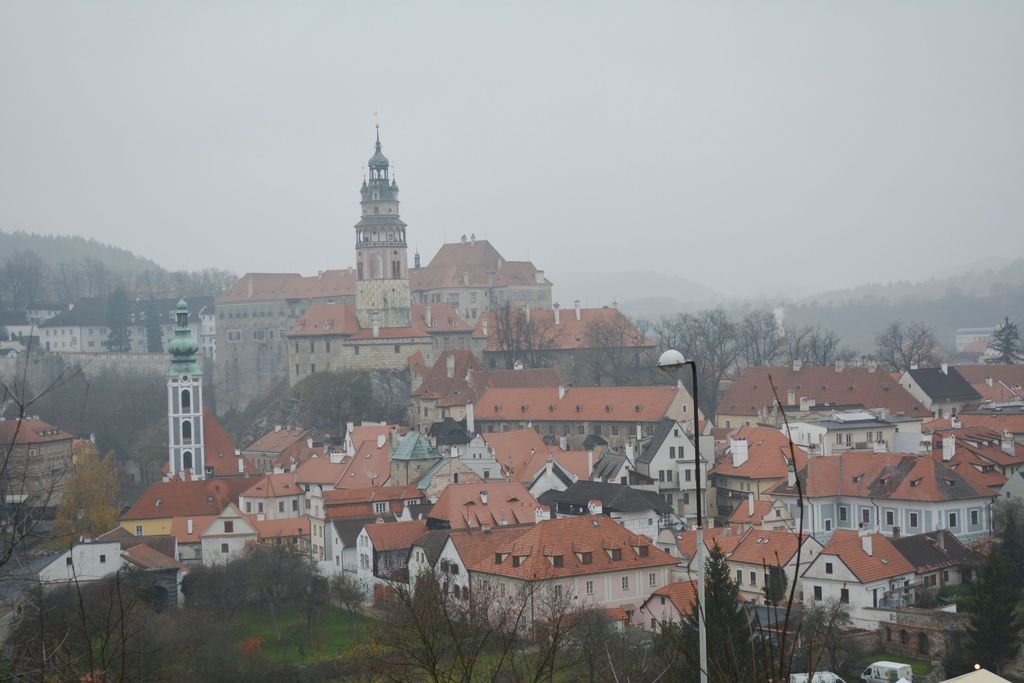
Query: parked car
x=816, y=677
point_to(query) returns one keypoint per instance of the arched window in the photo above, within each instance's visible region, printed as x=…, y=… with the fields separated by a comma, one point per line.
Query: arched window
x=904, y=637
x=186, y=431
x=922, y=643
x=186, y=401
x=186, y=460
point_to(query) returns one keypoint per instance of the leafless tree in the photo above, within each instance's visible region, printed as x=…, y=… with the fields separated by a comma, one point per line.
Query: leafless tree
x=761, y=338
x=813, y=345
x=901, y=346
x=520, y=337
x=709, y=338
x=617, y=352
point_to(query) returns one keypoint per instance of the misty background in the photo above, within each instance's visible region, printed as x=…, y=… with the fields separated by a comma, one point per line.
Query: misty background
x=754, y=149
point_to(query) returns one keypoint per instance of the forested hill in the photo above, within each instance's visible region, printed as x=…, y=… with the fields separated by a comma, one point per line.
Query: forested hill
x=54, y=249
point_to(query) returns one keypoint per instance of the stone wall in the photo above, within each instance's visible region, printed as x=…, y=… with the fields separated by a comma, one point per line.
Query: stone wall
x=922, y=633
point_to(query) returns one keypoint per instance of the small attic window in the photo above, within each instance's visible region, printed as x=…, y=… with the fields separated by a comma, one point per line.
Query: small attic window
x=607, y=408
x=915, y=482
x=579, y=408
x=551, y=408
x=637, y=408
x=522, y=408
x=949, y=482
x=882, y=480
x=857, y=478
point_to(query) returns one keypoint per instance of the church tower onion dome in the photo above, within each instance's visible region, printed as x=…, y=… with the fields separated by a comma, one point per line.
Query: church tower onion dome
x=183, y=348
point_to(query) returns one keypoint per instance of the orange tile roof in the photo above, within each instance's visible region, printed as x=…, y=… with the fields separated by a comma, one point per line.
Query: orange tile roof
x=682, y=594
x=340, y=320
x=768, y=455
x=277, y=440
x=277, y=286
x=725, y=537
x=566, y=538
x=513, y=273
x=1007, y=380
x=320, y=470
x=462, y=505
x=443, y=319
x=30, y=430
x=884, y=562
x=751, y=391
x=200, y=523
x=147, y=557
x=390, y=333
x=395, y=535
x=369, y=495
x=896, y=476
x=741, y=515
x=370, y=432
x=1012, y=422
x=220, y=449
x=569, y=333
x=592, y=404
x=280, y=528
x=177, y=498
x=514, y=450
x=981, y=441
x=330, y=320
x=369, y=467
x=298, y=453
x=273, y=486
x=771, y=548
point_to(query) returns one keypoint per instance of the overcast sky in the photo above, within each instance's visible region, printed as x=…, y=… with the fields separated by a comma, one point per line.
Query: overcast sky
x=747, y=145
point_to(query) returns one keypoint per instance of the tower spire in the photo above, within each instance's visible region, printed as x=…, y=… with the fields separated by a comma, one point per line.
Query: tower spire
x=185, y=401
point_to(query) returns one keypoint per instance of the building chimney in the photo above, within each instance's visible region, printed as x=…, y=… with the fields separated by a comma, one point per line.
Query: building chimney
x=955, y=422
x=563, y=442
x=250, y=288
x=948, y=447
x=988, y=381
x=336, y=457
x=483, y=497
x=449, y=362
x=595, y=507
x=381, y=440
x=538, y=277
x=416, y=260
x=470, y=419
x=558, y=313
x=790, y=398
x=629, y=452
x=376, y=328
x=797, y=364
x=739, y=451
x=277, y=428
x=590, y=462
x=940, y=539
x=526, y=311
x=561, y=391
x=913, y=366
x=865, y=541
x=309, y=442
x=241, y=466
x=1007, y=444
x=840, y=365
x=806, y=403
x=872, y=365
x=750, y=504
x=189, y=526
x=541, y=514
x=483, y=325
x=576, y=303
x=428, y=317
x=945, y=368
x=790, y=473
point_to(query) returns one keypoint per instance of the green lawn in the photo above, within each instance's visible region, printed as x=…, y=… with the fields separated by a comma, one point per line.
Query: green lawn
x=333, y=635
x=921, y=667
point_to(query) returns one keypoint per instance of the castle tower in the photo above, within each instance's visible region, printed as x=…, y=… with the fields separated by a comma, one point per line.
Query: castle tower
x=382, y=290
x=184, y=402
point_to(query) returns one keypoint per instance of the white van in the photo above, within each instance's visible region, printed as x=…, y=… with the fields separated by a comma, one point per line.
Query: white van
x=817, y=677
x=887, y=672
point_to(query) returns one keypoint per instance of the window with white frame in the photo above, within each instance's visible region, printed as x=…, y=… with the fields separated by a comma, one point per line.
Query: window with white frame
x=380, y=507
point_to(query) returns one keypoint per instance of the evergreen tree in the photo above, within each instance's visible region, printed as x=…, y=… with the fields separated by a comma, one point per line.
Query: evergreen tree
x=731, y=648
x=994, y=627
x=154, y=333
x=119, y=317
x=1006, y=344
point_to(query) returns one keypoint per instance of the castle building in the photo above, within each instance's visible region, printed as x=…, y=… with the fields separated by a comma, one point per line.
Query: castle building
x=184, y=402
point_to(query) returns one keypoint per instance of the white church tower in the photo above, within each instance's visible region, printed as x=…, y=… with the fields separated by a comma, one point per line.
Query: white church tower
x=185, y=402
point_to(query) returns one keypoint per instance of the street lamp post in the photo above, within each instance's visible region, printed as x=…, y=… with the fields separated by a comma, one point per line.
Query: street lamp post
x=671, y=361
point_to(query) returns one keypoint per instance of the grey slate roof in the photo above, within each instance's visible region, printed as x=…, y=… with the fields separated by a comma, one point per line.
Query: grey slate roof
x=650, y=446
x=942, y=386
x=432, y=543
x=613, y=497
x=348, y=529
x=923, y=551
x=93, y=311
x=607, y=465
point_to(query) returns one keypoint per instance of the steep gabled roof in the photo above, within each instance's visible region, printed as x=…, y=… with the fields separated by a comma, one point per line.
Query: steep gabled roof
x=277, y=440
x=253, y=287
x=274, y=486
x=884, y=561
x=742, y=514
x=478, y=505
x=769, y=548
x=177, y=498
x=935, y=550
x=682, y=594
x=768, y=454
x=650, y=446
x=944, y=386
x=369, y=467
x=395, y=535
x=30, y=430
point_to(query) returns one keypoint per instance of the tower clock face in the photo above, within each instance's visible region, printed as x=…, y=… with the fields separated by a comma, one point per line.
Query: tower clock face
x=184, y=378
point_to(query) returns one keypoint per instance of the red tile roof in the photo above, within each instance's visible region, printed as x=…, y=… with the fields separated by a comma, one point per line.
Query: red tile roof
x=176, y=498
x=569, y=333
x=369, y=467
x=443, y=319
x=220, y=449
x=30, y=430
x=200, y=523
x=531, y=554
x=321, y=320
x=280, y=528
x=395, y=535
x=1007, y=380
x=463, y=506
x=277, y=440
x=884, y=562
x=768, y=454
x=1012, y=422
x=592, y=404
x=771, y=548
x=274, y=486
x=320, y=470
x=751, y=392
x=725, y=537
x=276, y=286
x=682, y=594
x=741, y=515
x=147, y=557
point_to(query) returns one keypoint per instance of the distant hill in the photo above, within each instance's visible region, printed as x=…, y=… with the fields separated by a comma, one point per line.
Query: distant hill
x=638, y=294
x=978, y=280
x=54, y=249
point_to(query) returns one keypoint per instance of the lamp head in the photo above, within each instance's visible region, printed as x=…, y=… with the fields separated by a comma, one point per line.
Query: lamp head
x=670, y=361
